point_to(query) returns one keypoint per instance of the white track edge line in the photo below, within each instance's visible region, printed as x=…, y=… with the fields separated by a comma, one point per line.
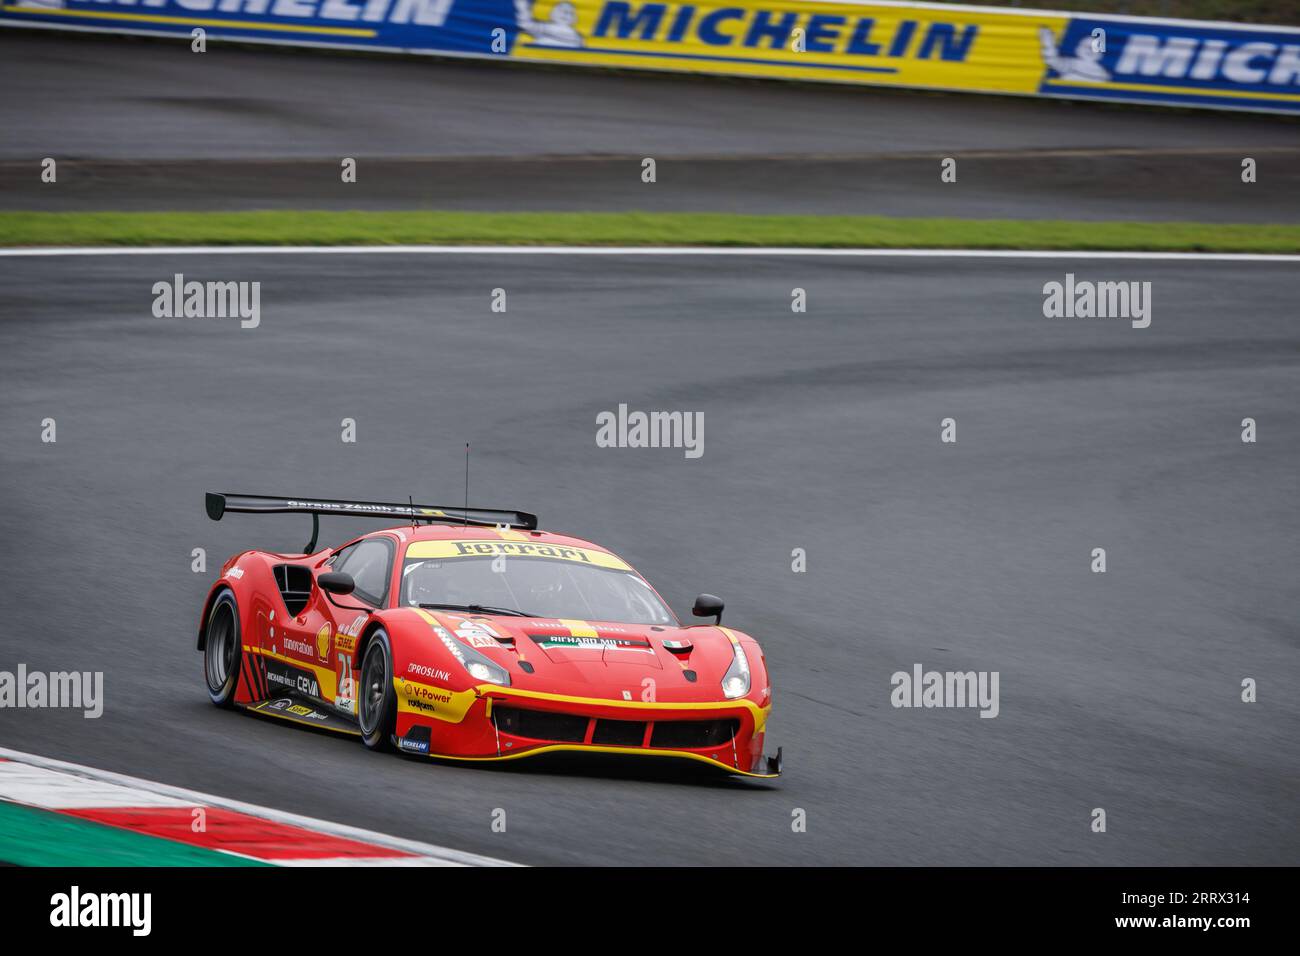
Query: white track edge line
x=60, y=251
x=443, y=854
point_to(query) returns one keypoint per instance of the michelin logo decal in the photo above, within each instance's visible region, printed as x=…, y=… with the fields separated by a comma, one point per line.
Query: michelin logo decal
x=420, y=23
x=1174, y=63
x=558, y=30
x=1084, y=65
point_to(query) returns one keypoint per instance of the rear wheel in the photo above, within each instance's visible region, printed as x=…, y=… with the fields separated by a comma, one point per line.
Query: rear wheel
x=221, y=657
x=376, y=699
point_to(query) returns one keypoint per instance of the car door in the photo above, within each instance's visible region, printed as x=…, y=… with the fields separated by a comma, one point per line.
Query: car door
x=370, y=564
x=303, y=660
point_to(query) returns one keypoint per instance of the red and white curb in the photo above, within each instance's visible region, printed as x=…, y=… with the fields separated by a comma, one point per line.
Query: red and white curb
x=229, y=826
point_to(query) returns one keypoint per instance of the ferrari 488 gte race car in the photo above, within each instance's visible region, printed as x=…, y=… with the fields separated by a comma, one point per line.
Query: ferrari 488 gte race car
x=468, y=634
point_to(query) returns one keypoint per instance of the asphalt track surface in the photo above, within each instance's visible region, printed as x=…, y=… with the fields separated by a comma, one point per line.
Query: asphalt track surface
x=146, y=124
x=1118, y=690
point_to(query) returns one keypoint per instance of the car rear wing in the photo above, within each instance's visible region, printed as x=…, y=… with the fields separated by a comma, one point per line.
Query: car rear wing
x=218, y=504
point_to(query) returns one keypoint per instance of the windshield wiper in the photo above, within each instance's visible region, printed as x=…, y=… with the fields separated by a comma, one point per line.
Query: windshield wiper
x=479, y=608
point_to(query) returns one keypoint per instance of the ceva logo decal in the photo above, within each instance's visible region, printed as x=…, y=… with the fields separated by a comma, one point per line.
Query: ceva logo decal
x=1199, y=62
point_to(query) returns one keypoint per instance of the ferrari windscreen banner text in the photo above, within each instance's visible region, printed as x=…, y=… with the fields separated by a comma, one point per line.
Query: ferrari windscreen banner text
x=539, y=580
x=932, y=46
x=513, y=549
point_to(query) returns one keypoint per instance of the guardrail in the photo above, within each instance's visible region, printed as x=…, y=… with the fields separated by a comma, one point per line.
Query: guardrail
x=918, y=45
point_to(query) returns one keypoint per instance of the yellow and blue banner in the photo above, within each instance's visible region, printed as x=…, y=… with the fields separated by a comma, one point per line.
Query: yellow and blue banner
x=918, y=45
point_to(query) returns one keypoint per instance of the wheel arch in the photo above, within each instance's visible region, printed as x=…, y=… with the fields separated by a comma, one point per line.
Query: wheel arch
x=213, y=593
x=374, y=625
x=252, y=578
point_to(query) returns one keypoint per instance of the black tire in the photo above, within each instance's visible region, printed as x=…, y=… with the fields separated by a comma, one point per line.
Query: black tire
x=222, y=659
x=376, y=698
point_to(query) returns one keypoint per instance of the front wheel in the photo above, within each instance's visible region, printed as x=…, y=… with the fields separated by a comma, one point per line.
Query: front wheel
x=377, y=700
x=221, y=657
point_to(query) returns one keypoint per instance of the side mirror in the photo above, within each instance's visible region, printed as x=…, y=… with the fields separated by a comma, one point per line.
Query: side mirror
x=336, y=582
x=707, y=605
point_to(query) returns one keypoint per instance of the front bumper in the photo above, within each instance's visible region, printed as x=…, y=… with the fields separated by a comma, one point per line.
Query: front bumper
x=506, y=723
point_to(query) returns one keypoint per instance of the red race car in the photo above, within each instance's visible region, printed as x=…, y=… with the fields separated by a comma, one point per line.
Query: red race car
x=468, y=634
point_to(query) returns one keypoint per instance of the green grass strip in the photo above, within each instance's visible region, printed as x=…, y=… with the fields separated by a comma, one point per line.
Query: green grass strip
x=276, y=228
x=33, y=837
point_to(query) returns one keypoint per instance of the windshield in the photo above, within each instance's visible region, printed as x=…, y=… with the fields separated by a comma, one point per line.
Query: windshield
x=537, y=586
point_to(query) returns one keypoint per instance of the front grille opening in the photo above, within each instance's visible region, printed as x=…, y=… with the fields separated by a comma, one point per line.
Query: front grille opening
x=541, y=724
x=693, y=734
x=619, y=733
x=572, y=728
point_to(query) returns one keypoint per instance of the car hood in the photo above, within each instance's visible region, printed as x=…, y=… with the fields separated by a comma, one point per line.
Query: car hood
x=599, y=659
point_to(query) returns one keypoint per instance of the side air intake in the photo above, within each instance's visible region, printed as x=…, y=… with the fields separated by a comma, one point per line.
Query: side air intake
x=294, y=582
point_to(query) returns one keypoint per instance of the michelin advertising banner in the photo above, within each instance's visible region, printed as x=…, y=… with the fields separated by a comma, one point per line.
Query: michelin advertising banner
x=929, y=46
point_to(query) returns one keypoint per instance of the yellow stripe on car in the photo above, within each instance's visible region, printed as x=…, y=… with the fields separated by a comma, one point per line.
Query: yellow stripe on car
x=426, y=700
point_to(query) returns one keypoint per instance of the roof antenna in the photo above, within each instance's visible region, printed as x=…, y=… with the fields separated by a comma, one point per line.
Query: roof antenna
x=465, y=514
x=411, y=503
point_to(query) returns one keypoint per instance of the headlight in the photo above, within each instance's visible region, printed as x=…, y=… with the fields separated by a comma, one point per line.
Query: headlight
x=478, y=666
x=735, y=683
x=482, y=671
